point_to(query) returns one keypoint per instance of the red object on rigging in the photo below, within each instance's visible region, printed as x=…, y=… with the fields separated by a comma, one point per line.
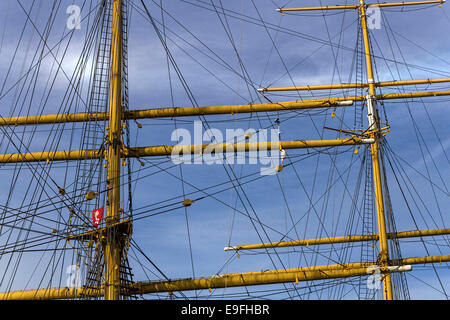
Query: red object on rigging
x=97, y=215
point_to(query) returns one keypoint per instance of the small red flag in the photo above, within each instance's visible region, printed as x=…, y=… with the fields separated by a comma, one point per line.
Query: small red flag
x=97, y=215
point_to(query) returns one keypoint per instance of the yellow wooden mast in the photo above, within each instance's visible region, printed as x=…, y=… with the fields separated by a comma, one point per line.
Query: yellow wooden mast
x=332, y=271
x=374, y=125
x=341, y=239
x=167, y=150
x=113, y=245
x=117, y=231
x=229, y=109
x=356, y=85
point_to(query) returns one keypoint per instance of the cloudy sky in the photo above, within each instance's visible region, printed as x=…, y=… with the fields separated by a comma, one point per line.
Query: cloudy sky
x=220, y=53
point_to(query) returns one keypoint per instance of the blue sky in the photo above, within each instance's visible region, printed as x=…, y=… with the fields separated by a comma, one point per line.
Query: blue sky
x=284, y=50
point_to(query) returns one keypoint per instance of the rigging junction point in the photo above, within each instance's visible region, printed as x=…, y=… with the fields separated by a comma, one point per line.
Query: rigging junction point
x=114, y=238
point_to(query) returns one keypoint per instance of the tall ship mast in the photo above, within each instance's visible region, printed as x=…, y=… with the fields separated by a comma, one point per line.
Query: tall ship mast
x=218, y=167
